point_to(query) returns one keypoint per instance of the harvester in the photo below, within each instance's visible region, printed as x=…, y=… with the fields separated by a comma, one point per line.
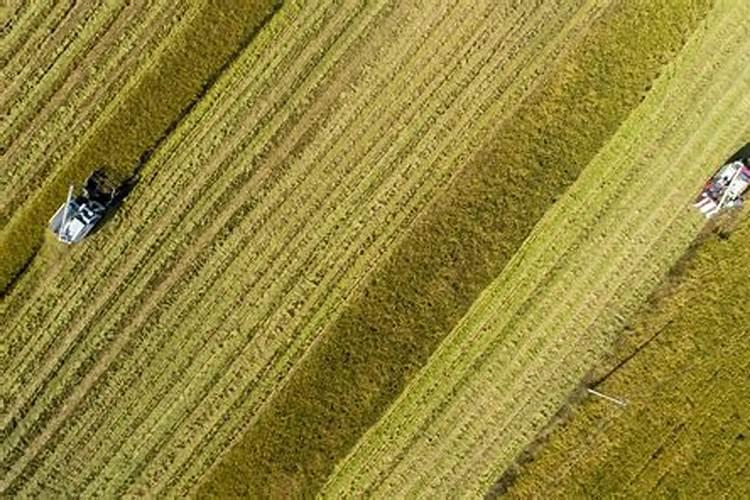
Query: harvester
x=80, y=215
x=725, y=189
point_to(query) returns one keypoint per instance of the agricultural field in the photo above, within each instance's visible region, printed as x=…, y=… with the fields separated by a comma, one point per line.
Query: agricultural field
x=155, y=63
x=373, y=247
x=683, y=368
x=451, y=254
x=530, y=339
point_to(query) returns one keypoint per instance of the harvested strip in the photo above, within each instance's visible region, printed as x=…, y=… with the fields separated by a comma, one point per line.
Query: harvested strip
x=686, y=425
x=70, y=104
x=134, y=124
x=292, y=184
x=399, y=108
x=361, y=362
x=527, y=342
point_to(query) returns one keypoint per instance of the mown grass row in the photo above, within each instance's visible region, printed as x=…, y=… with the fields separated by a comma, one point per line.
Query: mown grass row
x=139, y=119
x=67, y=101
x=414, y=300
x=683, y=367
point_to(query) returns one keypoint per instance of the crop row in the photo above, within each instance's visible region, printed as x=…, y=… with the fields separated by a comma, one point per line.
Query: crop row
x=82, y=291
x=528, y=341
x=685, y=428
x=56, y=112
x=400, y=313
x=136, y=121
x=682, y=366
x=197, y=276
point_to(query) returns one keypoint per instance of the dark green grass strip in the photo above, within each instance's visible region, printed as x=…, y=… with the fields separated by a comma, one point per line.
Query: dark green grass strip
x=125, y=138
x=398, y=318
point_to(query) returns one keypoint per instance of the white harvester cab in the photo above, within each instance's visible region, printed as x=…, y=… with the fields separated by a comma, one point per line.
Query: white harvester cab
x=79, y=215
x=725, y=189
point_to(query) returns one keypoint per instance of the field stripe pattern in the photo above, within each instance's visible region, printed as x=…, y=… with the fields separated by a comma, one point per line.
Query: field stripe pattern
x=552, y=313
x=288, y=157
x=456, y=247
x=684, y=431
x=99, y=46
x=132, y=124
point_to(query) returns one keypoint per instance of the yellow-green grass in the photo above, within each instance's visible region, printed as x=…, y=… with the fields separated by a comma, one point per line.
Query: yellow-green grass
x=138, y=118
x=399, y=315
x=494, y=382
x=35, y=69
x=683, y=368
x=132, y=361
x=48, y=115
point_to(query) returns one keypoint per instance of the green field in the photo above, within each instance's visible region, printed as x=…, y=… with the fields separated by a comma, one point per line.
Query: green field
x=400, y=315
x=374, y=246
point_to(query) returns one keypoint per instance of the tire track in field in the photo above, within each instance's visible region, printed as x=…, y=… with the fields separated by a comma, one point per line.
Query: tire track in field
x=18, y=25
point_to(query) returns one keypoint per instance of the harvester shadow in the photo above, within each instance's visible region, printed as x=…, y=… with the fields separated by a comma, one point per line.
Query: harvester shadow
x=741, y=154
x=122, y=192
